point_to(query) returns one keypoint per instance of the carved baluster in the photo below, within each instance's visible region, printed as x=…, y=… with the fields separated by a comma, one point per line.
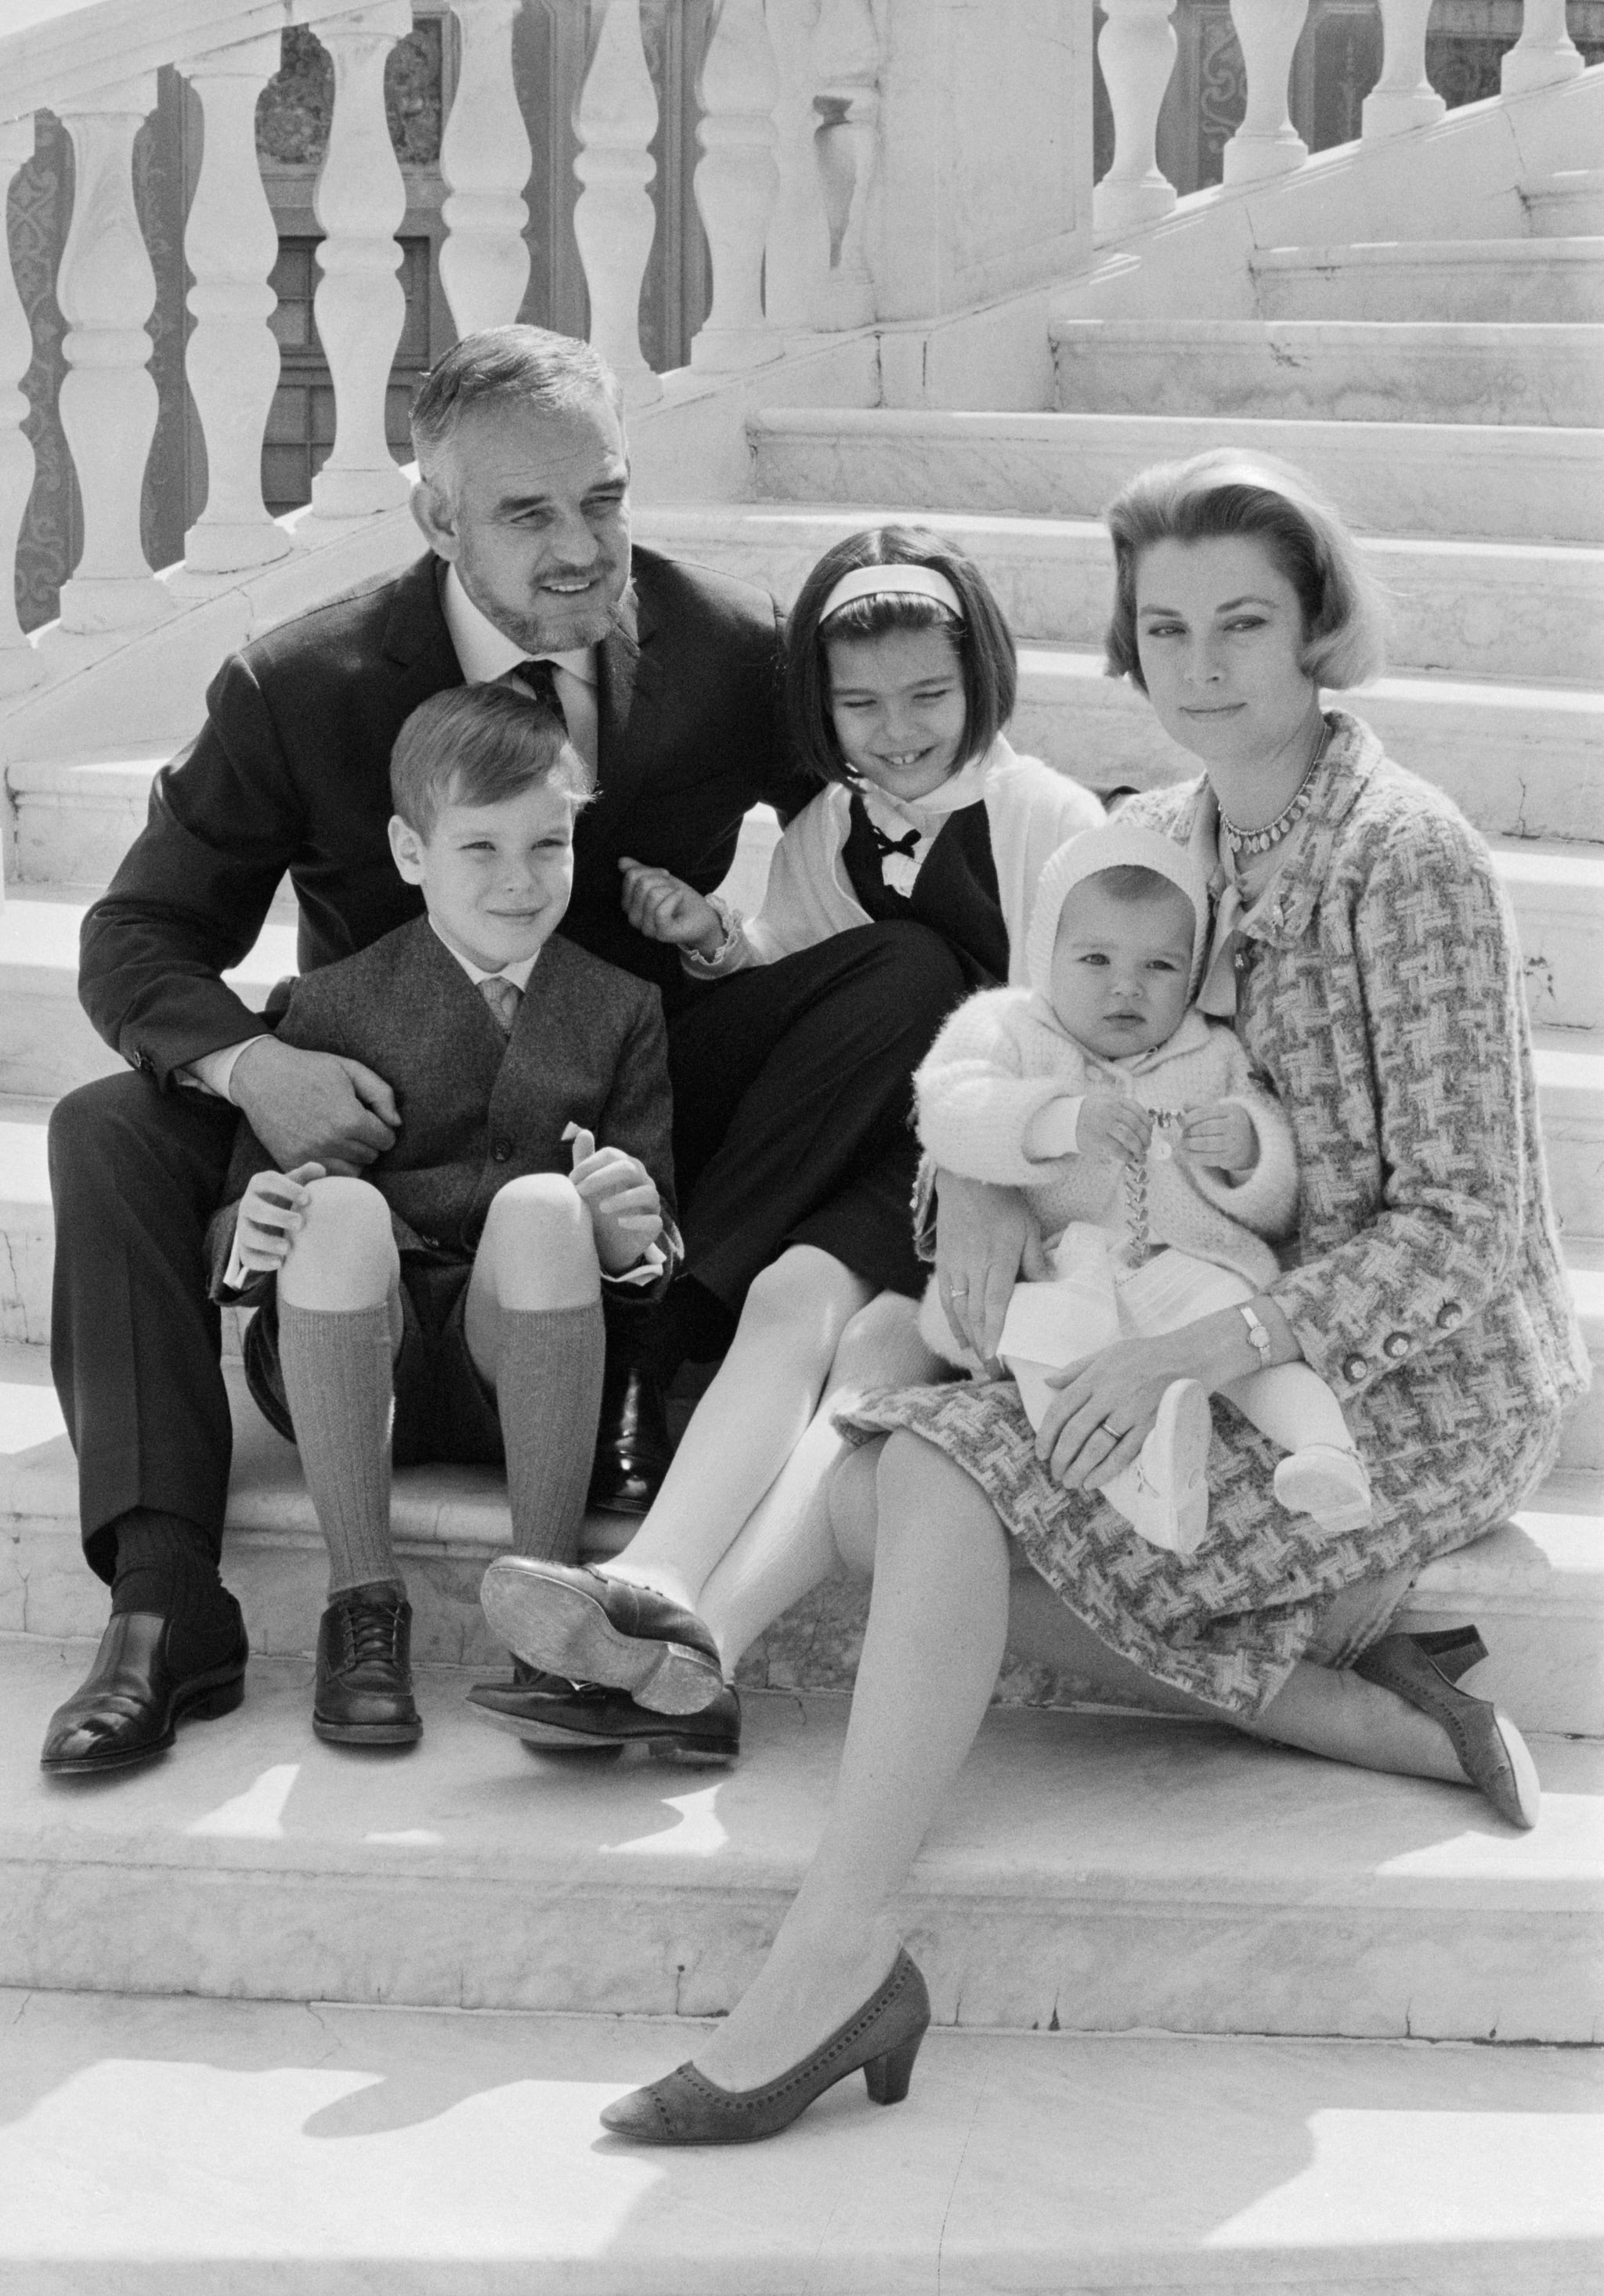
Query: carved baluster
x=19, y=664
x=1402, y=97
x=231, y=244
x=1266, y=144
x=485, y=160
x=1135, y=48
x=359, y=307
x=796, y=260
x=849, y=73
x=613, y=221
x=107, y=290
x=1545, y=52
x=736, y=184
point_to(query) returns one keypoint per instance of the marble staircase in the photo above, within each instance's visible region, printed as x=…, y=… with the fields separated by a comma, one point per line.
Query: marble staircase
x=1105, y=1882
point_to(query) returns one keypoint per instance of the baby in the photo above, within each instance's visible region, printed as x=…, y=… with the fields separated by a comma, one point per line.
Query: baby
x=1156, y=1167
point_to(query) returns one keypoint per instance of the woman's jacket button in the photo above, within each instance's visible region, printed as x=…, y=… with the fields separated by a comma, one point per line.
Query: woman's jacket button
x=1396, y=1345
x=1447, y=1314
x=1354, y=1369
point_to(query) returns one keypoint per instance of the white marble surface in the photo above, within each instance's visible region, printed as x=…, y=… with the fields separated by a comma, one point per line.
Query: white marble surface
x=1332, y=370
x=1089, y=1873
x=1490, y=280
x=1471, y=609
x=165, y=2147
x=1508, y=483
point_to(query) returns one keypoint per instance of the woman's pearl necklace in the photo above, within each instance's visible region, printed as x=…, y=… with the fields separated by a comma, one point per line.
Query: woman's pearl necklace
x=1260, y=841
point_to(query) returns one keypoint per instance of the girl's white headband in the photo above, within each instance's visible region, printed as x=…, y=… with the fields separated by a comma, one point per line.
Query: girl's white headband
x=892, y=582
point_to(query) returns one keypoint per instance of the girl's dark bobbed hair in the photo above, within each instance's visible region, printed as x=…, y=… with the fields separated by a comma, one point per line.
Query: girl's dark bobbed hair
x=984, y=643
x=1226, y=493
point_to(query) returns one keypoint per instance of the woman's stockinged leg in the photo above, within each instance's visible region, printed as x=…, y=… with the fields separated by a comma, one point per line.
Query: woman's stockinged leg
x=1319, y=1710
x=788, y=1544
x=747, y=1426
x=930, y=1658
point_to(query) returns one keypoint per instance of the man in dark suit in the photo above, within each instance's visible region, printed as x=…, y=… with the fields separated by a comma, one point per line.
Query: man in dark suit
x=666, y=677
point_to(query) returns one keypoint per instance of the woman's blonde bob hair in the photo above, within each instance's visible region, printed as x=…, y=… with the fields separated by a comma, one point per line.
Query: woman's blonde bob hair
x=1227, y=493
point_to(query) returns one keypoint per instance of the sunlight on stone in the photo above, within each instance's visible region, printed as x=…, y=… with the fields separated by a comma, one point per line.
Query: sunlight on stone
x=177, y=2160
x=257, y=1814
x=1433, y=2176
x=416, y=1836
x=30, y=1413
x=698, y=1834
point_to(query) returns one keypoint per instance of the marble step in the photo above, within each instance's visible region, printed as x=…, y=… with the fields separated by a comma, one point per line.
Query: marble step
x=1482, y=609
x=156, y=2144
x=1523, y=761
x=1334, y=370
x=1535, y=1586
x=1489, y=282
x=1561, y=205
x=1089, y=1872
x=1496, y=482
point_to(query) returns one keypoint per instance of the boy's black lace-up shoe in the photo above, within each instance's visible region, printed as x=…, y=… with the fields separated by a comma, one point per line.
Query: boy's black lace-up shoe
x=363, y=1694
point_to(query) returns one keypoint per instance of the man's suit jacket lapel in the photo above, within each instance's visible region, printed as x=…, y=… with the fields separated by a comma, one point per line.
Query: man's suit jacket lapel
x=627, y=707
x=416, y=636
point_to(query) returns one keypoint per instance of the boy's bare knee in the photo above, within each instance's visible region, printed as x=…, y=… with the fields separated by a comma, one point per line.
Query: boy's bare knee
x=539, y=1243
x=344, y=1253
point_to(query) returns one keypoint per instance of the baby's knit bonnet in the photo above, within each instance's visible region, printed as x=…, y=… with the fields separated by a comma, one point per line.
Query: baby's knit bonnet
x=1116, y=845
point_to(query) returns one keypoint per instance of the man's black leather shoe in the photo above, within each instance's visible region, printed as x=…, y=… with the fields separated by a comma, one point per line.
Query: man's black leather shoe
x=132, y=1700
x=585, y=1718
x=364, y=1693
x=632, y=1446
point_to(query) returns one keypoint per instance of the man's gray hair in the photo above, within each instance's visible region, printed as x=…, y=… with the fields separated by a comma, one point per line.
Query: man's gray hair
x=549, y=374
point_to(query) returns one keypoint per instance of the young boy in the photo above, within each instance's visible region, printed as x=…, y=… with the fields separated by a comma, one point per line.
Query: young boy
x=455, y=1287
x=1156, y=1167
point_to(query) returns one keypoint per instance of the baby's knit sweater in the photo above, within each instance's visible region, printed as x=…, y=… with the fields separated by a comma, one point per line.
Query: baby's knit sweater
x=1003, y=1055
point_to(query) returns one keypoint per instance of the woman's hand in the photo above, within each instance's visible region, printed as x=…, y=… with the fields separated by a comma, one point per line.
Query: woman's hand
x=1223, y=1136
x=985, y=1238
x=1112, y=1126
x=271, y=1216
x=1106, y=1408
x=665, y=909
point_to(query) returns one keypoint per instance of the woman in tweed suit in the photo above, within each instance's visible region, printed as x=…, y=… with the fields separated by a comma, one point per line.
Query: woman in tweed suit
x=1363, y=946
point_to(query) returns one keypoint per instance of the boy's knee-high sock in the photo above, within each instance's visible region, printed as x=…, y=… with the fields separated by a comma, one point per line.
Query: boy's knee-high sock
x=548, y=1392
x=337, y=1379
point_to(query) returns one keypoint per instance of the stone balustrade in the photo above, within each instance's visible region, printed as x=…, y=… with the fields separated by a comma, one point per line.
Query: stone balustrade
x=1137, y=50
x=847, y=174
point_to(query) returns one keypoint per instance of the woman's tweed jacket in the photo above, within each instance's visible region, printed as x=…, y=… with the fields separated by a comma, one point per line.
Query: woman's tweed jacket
x=1381, y=994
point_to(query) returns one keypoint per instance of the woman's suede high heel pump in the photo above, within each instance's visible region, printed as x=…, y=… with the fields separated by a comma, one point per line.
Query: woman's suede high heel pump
x=883, y=2037
x=1425, y=1670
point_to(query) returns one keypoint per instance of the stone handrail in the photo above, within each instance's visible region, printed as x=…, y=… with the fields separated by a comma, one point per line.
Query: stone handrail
x=847, y=177
x=1137, y=49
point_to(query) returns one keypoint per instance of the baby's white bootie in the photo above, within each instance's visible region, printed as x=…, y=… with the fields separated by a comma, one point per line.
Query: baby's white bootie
x=1164, y=1492
x=1330, y=1484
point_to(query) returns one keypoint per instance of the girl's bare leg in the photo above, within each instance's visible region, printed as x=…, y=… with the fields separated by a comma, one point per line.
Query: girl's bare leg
x=930, y=1661
x=788, y=1545
x=747, y=1426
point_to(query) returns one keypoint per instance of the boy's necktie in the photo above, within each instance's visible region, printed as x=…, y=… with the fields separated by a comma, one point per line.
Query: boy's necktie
x=503, y=997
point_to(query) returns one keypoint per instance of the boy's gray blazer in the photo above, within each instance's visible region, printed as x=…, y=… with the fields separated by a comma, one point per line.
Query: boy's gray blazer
x=478, y=1109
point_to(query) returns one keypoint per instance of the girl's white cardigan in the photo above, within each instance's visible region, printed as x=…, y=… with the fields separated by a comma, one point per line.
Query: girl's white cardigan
x=1030, y=811
x=1002, y=1056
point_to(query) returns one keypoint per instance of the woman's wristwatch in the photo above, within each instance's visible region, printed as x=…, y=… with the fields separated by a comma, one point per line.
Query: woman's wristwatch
x=1258, y=1336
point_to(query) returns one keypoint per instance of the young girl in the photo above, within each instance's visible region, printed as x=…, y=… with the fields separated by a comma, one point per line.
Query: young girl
x=901, y=677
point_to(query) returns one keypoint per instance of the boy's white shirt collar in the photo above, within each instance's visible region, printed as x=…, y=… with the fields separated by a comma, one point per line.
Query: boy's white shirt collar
x=517, y=972
x=485, y=653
